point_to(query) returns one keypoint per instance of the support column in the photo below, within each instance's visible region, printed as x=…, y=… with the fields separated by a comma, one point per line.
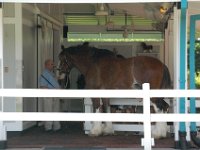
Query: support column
x=176, y=39
x=3, y=136
x=183, y=71
x=3, y=133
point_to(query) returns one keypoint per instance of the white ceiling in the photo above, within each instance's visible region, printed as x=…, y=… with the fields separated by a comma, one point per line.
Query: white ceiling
x=140, y=16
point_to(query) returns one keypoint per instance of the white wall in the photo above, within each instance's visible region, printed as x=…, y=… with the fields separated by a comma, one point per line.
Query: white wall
x=48, y=39
x=29, y=78
x=12, y=55
x=21, y=55
x=1, y=55
x=52, y=9
x=169, y=48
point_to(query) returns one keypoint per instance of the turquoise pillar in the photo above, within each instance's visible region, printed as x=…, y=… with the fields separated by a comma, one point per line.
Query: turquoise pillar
x=182, y=126
x=193, y=20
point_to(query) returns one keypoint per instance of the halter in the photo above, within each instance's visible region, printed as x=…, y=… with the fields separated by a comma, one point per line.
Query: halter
x=63, y=69
x=65, y=66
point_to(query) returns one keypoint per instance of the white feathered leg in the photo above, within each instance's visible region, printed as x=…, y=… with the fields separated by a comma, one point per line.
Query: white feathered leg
x=159, y=130
x=97, y=127
x=108, y=127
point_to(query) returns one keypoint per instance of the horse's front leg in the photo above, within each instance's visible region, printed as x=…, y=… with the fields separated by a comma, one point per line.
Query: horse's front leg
x=159, y=130
x=108, y=127
x=98, y=128
x=97, y=125
x=160, y=105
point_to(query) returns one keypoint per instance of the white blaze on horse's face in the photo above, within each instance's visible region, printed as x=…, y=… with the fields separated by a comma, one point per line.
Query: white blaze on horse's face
x=60, y=75
x=57, y=69
x=64, y=65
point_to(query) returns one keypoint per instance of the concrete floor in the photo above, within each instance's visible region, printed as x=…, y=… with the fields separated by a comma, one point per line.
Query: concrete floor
x=106, y=149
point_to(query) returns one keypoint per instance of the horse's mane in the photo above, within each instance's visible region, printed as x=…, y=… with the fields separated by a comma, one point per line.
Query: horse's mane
x=99, y=53
x=95, y=53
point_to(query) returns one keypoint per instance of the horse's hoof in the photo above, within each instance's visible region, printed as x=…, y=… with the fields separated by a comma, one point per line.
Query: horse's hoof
x=105, y=133
x=93, y=135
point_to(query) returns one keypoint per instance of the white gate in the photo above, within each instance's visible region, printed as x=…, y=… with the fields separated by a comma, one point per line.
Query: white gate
x=146, y=117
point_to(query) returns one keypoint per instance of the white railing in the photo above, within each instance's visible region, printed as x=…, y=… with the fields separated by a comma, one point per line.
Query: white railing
x=146, y=117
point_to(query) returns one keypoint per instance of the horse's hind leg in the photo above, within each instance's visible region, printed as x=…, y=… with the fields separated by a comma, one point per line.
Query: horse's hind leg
x=159, y=130
x=108, y=127
x=97, y=104
x=160, y=104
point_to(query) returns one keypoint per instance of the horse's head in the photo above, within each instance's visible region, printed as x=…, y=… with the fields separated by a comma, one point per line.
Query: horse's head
x=65, y=64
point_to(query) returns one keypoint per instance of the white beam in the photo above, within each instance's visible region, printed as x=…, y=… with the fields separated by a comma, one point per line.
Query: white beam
x=114, y=117
x=96, y=93
x=3, y=134
x=91, y=1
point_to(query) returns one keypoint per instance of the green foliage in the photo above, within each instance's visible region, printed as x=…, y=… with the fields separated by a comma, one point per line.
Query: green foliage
x=197, y=58
x=197, y=63
x=197, y=81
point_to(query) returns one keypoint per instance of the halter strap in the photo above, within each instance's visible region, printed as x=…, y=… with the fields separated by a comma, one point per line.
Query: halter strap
x=47, y=81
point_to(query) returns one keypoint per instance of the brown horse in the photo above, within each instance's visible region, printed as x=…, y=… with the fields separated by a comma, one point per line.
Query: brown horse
x=104, y=70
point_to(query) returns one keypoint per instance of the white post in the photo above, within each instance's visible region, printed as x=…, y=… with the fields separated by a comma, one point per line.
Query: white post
x=176, y=38
x=88, y=109
x=147, y=141
x=3, y=133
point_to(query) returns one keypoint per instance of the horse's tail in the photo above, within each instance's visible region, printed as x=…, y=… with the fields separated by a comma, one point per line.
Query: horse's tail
x=165, y=84
x=166, y=80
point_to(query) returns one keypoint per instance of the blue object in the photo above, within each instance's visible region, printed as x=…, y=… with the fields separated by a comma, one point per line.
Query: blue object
x=182, y=126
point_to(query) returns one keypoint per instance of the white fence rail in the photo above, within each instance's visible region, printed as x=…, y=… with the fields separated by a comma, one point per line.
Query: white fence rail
x=146, y=117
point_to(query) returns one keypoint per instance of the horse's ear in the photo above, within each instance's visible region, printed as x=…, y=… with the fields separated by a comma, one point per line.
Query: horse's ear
x=62, y=47
x=86, y=44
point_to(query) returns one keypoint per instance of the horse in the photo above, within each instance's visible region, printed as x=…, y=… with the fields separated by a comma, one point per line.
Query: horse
x=102, y=69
